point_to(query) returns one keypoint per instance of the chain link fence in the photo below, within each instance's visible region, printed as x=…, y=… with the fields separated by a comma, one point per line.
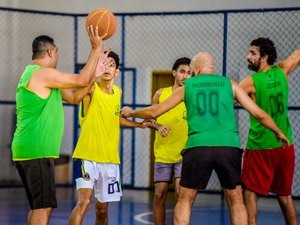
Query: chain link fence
x=144, y=42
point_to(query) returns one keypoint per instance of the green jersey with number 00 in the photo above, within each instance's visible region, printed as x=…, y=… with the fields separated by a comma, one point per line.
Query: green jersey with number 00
x=271, y=89
x=210, y=112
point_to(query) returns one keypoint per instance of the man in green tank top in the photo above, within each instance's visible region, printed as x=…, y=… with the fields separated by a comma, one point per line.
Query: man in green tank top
x=267, y=166
x=213, y=141
x=40, y=119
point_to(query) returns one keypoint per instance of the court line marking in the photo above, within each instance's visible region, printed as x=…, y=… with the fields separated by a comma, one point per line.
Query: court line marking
x=139, y=217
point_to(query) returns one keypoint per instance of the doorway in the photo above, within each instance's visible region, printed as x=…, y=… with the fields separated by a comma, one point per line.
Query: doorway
x=160, y=79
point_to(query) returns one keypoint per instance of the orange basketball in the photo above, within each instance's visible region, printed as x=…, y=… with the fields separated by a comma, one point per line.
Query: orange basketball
x=104, y=19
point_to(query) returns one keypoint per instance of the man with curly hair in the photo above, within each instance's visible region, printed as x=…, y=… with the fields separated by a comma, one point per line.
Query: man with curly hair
x=267, y=166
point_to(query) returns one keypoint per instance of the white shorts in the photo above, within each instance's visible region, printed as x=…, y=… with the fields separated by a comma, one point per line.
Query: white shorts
x=103, y=177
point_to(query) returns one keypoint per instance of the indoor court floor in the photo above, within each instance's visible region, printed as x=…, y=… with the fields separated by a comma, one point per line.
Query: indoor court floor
x=135, y=208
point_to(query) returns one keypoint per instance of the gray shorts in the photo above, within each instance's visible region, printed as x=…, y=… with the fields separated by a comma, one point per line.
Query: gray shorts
x=164, y=172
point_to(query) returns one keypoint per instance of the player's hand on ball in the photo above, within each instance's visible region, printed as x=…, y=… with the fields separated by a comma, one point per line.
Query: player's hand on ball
x=95, y=39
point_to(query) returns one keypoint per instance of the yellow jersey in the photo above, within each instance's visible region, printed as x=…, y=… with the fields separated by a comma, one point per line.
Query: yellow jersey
x=100, y=128
x=168, y=149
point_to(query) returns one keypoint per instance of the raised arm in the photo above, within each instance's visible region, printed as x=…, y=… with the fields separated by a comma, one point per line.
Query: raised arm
x=52, y=78
x=291, y=63
x=247, y=103
x=154, y=111
x=75, y=95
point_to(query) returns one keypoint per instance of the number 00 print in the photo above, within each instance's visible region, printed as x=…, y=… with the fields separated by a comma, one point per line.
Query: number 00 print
x=208, y=102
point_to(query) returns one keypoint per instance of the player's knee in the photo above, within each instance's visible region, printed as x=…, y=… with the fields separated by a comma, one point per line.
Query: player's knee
x=283, y=200
x=233, y=197
x=101, y=210
x=84, y=204
x=234, y=200
x=160, y=194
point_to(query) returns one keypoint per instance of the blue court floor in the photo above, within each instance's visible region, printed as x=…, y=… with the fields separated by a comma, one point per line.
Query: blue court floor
x=135, y=208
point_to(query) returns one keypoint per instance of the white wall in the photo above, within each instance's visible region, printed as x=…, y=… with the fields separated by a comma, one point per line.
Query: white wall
x=124, y=6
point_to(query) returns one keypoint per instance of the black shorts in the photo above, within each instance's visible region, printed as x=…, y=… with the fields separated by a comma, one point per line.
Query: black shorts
x=199, y=162
x=38, y=178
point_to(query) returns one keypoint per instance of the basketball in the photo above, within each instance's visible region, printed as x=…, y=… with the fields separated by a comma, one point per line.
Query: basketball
x=104, y=19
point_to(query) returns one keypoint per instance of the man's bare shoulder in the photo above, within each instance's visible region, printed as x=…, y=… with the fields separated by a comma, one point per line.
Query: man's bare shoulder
x=248, y=85
x=156, y=96
x=159, y=91
x=44, y=73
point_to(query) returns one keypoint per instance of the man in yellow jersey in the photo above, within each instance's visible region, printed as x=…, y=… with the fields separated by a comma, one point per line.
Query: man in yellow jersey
x=40, y=120
x=96, y=156
x=213, y=141
x=170, y=139
x=267, y=166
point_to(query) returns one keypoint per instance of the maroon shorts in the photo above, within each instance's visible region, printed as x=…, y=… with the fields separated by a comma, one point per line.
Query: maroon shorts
x=271, y=170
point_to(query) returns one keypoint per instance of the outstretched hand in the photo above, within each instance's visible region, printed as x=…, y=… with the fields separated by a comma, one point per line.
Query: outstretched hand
x=95, y=39
x=284, y=140
x=126, y=111
x=103, y=63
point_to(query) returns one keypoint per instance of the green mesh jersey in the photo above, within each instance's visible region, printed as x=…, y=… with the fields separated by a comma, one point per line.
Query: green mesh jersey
x=271, y=89
x=39, y=121
x=210, y=112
